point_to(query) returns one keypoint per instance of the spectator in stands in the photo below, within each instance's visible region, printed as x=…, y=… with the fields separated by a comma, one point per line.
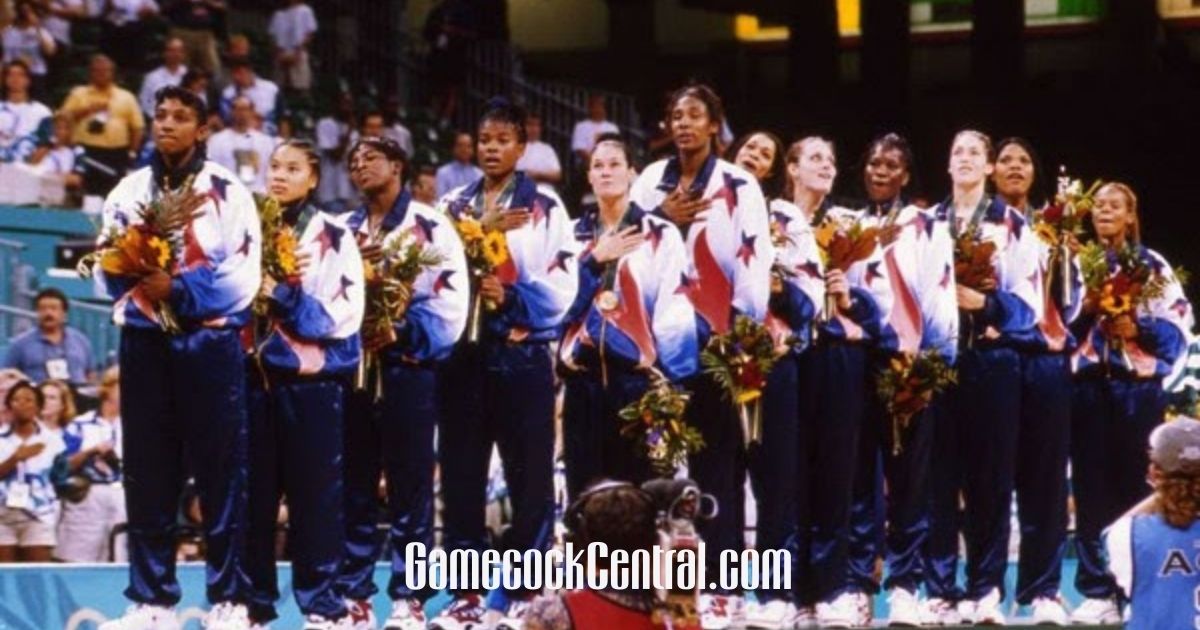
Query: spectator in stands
x=583, y=139
x=449, y=29
x=59, y=15
x=27, y=454
x=20, y=116
x=242, y=149
x=334, y=135
x=395, y=128
x=52, y=349
x=539, y=162
x=199, y=24
x=198, y=82
x=108, y=125
x=93, y=452
x=462, y=170
x=424, y=186
x=262, y=92
x=126, y=34
x=292, y=29
x=58, y=408
x=8, y=378
x=372, y=126
x=236, y=49
x=26, y=40
x=58, y=156
x=171, y=72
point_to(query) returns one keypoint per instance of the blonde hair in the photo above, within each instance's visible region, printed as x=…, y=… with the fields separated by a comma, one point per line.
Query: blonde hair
x=68, y=401
x=1135, y=229
x=793, y=156
x=109, y=382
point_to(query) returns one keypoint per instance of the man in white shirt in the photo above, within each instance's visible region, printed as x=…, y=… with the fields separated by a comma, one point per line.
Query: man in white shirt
x=292, y=29
x=461, y=170
x=334, y=137
x=586, y=131
x=59, y=14
x=170, y=73
x=262, y=92
x=539, y=162
x=242, y=149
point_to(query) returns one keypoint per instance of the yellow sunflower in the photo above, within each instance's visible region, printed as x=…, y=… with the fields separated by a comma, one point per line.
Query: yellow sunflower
x=470, y=230
x=1114, y=303
x=162, y=251
x=495, y=248
x=1046, y=232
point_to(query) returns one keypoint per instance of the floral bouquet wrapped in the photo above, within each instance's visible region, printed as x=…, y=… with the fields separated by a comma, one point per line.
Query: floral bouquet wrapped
x=1119, y=283
x=389, y=291
x=843, y=242
x=153, y=244
x=908, y=384
x=655, y=423
x=973, y=261
x=279, y=249
x=1061, y=223
x=486, y=250
x=739, y=361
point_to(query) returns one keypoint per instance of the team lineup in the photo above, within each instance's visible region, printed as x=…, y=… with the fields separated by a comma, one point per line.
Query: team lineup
x=303, y=354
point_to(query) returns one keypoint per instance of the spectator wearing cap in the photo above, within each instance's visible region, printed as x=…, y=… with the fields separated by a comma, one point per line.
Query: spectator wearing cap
x=264, y=93
x=242, y=149
x=1152, y=549
x=30, y=505
x=52, y=349
x=461, y=170
x=93, y=473
x=170, y=73
x=539, y=162
x=198, y=24
x=292, y=29
x=108, y=125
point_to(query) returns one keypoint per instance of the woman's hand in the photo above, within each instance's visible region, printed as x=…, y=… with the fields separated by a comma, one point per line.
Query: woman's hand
x=1122, y=326
x=379, y=339
x=268, y=286
x=837, y=286
x=969, y=299
x=681, y=207
x=370, y=251
x=612, y=245
x=505, y=220
x=492, y=290
x=156, y=285
x=28, y=451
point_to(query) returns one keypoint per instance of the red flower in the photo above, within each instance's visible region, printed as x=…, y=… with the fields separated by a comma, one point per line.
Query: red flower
x=750, y=377
x=1053, y=213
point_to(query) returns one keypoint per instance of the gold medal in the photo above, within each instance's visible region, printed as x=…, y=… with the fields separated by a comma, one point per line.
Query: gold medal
x=607, y=300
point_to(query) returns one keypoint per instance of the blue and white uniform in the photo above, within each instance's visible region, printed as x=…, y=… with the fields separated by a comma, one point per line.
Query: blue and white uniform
x=395, y=433
x=729, y=255
x=19, y=125
x=186, y=392
x=301, y=366
x=501, y=390
x=1157, y=566
x=975, y=441
x=1113, y=412
x=923, y=317
x=30, y=478
x=86, y=526
x=608, y=348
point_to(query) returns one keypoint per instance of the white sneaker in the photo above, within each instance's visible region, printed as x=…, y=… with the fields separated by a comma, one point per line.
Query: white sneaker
x=227, y=616
x=144, y=617
x=464, y=613
x=988, y=610
x=842, y=612
x=361, y=613
x=864, y=615
x=317, y=622
x=514, y=617
x=407, y=614
x=1096, y=612
x=776, y=614
x=1049, y=611
x=716, y=611
x=966, y=611
x=806, y=617
x=940, y=612
x=904, y=609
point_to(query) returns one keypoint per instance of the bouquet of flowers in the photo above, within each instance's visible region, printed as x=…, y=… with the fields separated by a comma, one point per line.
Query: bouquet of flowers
x=781, y=241
x=389, y=290
x=279, y=249
x=153, y=244
x=655, y=423
x=843, y=242
x=1062, y=222
x=486, y=250
x=908, y=384
x=739, y=361
x=973, y=266
x=1120, y=282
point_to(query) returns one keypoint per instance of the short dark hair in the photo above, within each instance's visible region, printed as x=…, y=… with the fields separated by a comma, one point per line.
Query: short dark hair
x=308, y=149
x=770, y=182
x=388, y=147
x=501, y=110
x=236, y=63
x=23, y=384
x=188, y=98
x=54, y=294
x=427, y=170
x=192, y=76
x=616, y=139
